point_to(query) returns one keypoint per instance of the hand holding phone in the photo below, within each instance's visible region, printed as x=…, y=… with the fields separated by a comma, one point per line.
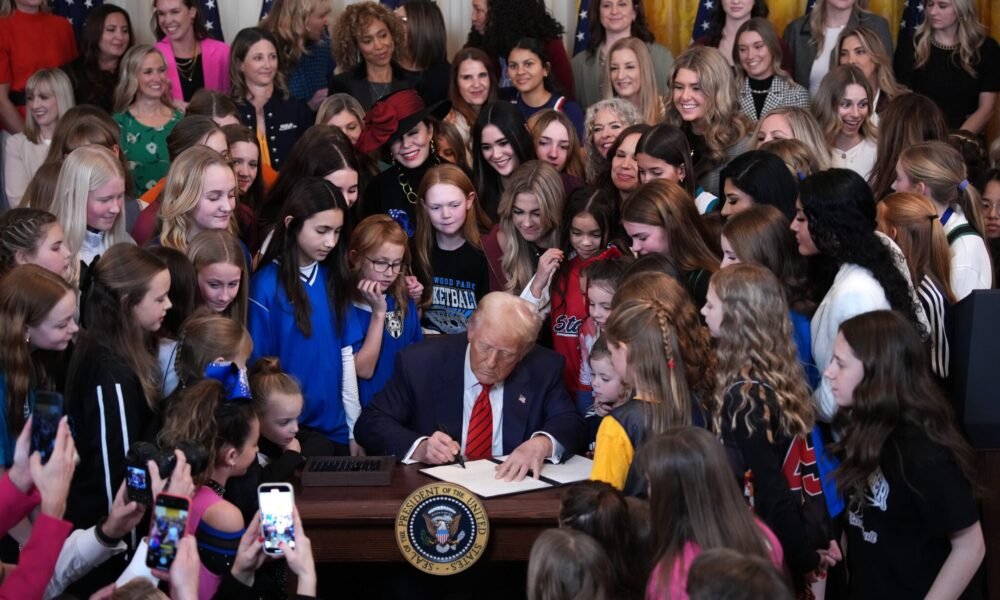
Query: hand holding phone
x=277, y=519
x=45, y=422
x=169, y=522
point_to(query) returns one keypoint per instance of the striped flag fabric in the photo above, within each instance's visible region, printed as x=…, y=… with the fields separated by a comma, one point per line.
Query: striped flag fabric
x=210, y=9
x=75, y=11
x=913, y=16
x=583, y=17
x=265, y=8
x=701, y=20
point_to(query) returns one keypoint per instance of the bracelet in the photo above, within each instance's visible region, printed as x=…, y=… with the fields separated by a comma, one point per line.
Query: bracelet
x=102, y=537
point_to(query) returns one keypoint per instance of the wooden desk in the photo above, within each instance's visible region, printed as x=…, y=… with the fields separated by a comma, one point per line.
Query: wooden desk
x=357, y=524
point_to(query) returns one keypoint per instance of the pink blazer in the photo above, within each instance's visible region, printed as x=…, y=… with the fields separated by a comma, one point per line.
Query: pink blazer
x=214, y=61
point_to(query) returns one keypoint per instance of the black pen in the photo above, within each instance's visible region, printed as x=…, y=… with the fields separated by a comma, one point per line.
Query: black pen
x=458, y=457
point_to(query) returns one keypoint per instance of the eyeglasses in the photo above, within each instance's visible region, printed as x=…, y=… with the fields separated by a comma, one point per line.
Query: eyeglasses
x=381, y=266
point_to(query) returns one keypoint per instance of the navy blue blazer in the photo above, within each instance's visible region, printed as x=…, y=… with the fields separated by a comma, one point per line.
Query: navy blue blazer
x=426, y=390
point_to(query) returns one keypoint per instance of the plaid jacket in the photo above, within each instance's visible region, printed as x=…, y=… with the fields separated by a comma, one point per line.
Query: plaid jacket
x=783, y=92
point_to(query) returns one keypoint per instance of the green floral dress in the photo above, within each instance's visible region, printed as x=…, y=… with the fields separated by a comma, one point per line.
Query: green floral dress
x=145, y=148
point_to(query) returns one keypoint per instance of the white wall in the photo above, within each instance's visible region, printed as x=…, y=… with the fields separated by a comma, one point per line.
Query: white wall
x=237, y=14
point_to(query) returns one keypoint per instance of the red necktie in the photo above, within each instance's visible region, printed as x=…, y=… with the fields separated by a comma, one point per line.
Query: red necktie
x=479, y=441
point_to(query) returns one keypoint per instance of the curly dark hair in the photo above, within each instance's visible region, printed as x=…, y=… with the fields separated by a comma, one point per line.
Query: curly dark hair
x=840, y=208
x=510, y=20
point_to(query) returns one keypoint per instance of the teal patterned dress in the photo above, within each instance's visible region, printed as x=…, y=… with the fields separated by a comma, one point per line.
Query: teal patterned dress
x=145, y=148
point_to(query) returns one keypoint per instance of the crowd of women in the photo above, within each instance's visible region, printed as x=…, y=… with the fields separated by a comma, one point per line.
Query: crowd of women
x=747, y=255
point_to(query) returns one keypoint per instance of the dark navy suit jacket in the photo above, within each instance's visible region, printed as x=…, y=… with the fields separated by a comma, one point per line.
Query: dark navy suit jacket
x=426, y=391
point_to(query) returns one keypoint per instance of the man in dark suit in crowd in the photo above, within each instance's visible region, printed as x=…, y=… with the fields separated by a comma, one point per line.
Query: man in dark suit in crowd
x=495, y=391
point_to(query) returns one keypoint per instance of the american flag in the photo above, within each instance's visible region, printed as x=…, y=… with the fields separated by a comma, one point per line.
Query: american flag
x=702, y=18
x=583, y=16
x=75, y=11
x=913, y=16
x=394, y=4
x=265, y=8
x=210, y=9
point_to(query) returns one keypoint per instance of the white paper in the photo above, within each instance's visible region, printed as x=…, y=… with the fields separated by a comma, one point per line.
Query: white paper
x=479, y=476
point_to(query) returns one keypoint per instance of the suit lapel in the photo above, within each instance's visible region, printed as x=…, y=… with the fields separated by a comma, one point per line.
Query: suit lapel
x=452, y=382
x=516, y=398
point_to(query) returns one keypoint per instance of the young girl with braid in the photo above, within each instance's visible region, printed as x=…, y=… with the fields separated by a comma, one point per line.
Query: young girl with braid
x=643, y=340
x=763, y=412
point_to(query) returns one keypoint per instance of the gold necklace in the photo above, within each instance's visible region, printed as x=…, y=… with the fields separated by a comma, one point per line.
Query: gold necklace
x=186, y=66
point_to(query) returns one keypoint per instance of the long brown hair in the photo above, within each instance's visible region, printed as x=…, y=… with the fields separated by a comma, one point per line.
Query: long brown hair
x=214, y=246
x=27, y=294
x=121, y=279
x=898, y=130
x=692, y=498
x=665, y=204
x=912, y=222
x=755, y=345
x=574, y=156
x=895, y=395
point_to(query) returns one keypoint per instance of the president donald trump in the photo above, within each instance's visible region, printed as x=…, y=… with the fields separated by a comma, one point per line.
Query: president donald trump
x=490, y=393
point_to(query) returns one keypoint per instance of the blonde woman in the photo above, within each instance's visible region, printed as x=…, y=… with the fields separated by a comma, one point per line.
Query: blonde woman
x=812, y=38
x=953, y=60
x=763, y=84
x=200, y=194
x=629, y=74
x=145, y=113
x=89, y=203
x=530, y=212
x=344, y=112
x=556, y=142
x=843, y=108
x=49, y=94
x=861, y=47
x=301, y=30
x=794, y=123
x=703, y=102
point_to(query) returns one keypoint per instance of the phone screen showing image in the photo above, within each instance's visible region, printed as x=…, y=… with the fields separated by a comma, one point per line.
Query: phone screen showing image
x=276, y=519
x=45, y=422
x=137, y=484
x=166, y=530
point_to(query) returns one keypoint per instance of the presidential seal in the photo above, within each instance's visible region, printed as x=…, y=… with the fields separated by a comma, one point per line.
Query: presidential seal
x=442, y=529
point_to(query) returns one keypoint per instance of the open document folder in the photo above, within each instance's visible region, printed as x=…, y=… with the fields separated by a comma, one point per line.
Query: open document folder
x=479, y=476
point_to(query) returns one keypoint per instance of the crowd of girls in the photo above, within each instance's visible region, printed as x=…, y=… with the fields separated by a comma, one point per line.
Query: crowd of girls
x=748, y=257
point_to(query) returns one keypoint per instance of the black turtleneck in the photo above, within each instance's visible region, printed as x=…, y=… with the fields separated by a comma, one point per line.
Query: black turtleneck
x=759, y=89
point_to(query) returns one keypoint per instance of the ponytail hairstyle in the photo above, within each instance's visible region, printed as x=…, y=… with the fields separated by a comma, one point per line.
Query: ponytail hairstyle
x=267, y=378
x=540, y=179
x=971, y=33
x=668, y=143
x=761, y=236
x=28, y=293
x=182, y=193
x=912, y=222
x=655, y=362
x=941, y=169
x=309, y=196
x=205, y=414
x=537, y=124
x=755, y=346
x=692, y=499
x=218, y=246
x=895, y=395
x=367, y=237
x=121, y=279
x=22, y=231
x=662, y=203
x=205, y=338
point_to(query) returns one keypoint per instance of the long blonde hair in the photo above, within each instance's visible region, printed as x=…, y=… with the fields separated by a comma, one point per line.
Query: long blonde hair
x=724, y=123
x=940, y=167
x=128, y=77
x=755, y=346
x=869, y=40
x=971, y=33
x=540, y=179
x=804, y=128
x=650, y=103
x=85, y=169
x=827, y=99
x=59, y=86
x=287, y=22
x=182, y=193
